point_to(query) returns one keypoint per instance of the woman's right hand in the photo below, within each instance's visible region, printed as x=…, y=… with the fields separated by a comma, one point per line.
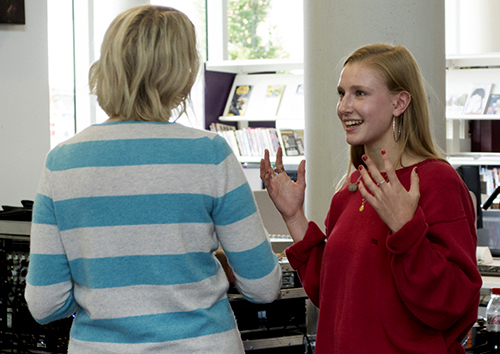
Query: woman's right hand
x=288, y=196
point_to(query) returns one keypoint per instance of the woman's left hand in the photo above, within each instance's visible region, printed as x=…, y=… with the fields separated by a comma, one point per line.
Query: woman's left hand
x=393, y=203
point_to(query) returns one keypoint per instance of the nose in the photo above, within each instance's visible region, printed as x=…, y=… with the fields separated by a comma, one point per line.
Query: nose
x=344, y=105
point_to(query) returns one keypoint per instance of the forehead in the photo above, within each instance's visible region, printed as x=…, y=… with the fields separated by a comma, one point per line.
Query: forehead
x=361, y=74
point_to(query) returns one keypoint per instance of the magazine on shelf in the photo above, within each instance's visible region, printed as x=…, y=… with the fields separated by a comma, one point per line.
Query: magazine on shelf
x=455, y=103
x=478, y=98
x=239, y=101
x=493, y=104
x=272, y=99
x=290, y=145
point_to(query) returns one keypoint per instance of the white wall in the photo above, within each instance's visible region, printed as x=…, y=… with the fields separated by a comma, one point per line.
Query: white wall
x=24, y=104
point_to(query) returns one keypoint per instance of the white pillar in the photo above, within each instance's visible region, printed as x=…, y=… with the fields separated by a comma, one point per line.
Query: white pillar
x=333, y=30
x=478, y=26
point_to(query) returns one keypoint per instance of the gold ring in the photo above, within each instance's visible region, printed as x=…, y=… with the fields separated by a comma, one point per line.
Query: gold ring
x=279, y=170
x=380, y=183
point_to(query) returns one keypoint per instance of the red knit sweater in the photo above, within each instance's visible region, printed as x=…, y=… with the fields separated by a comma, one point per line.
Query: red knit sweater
x=414, y=291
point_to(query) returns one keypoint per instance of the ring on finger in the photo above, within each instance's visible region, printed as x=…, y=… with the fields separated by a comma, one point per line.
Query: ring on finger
x=279, y=170
x=380, y=183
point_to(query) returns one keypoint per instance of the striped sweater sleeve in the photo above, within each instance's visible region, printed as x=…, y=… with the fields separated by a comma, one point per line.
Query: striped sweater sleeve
x=49, y=289
x=241, y=232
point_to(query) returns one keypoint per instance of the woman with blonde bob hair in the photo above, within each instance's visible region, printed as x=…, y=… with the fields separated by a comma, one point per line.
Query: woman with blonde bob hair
x=138, y=76
x=395, y=272
x=129, y=213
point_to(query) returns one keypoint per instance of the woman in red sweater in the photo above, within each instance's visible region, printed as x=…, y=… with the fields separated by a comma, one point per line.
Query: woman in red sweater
x=396, y=270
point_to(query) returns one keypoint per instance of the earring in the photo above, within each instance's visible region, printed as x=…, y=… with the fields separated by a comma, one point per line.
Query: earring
x=394, y=135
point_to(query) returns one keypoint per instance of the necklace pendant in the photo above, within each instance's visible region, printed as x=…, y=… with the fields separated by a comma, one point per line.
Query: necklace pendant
x=362, y=207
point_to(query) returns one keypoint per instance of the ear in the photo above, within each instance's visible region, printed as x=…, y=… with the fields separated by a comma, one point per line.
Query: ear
x=401, y=102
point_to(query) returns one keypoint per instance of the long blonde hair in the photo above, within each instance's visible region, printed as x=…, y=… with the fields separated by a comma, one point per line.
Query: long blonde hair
x=400, y=72
x=148, y=65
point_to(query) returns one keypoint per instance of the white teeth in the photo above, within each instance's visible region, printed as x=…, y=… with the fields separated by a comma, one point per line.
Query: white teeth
x=351, y=123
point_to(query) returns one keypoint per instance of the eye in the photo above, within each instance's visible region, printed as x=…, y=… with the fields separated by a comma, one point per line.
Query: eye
x=360, y=93
x=340, y=93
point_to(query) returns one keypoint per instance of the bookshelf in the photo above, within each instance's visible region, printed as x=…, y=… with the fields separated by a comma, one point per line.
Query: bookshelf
x=472, y=139
x=252, y=95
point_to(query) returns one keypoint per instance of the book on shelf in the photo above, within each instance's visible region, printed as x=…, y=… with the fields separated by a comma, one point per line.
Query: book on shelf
x=227, y=132
x=478, y=98
x=493, y=104
x=239, y=101
x=272, y=99
x=251, y=142
x=455, y=103
x=220, y=127
x=292, y=142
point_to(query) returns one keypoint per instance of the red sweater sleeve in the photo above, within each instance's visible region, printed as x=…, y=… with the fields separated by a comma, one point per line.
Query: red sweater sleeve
x=433, y=257
x=306, y=257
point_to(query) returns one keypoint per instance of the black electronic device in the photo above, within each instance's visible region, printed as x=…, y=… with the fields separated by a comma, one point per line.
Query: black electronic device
x=470, y=175
x=19, y=332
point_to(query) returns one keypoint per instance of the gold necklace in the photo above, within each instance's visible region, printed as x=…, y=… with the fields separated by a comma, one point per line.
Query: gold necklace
x=362, y=207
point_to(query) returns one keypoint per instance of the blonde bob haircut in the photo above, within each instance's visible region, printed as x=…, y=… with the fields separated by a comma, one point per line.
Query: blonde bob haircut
x=399, y=70
x=148, y=64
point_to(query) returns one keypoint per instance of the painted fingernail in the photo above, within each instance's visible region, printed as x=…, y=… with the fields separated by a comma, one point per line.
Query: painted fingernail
x=360, y=167
x=383, y=152
x=364, y=157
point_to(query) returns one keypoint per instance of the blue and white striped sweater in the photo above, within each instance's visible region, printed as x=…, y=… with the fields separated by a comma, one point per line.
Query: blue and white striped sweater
x=125, y=222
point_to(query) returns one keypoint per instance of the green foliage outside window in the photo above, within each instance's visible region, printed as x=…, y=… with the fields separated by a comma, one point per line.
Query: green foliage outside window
x=246, y=20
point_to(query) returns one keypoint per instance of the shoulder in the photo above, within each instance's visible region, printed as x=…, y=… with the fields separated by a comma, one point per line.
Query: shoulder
x=438, y=174
x=443, y=193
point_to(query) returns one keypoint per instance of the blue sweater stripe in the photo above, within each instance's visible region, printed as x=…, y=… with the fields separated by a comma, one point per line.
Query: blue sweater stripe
x=44, y=212
x=130, y=152
x=261, y=257
x=155, y=328
x=48, y=269
x=101, y=273
x=234, y=206
x=133, y=210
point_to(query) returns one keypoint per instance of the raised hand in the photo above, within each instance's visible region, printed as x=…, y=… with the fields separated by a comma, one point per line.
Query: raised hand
x=288, y=196
x=393, y=203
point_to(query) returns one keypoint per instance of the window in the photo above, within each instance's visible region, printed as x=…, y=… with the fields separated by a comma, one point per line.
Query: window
x=61, y=74
x=74, y=44
x=265, y=29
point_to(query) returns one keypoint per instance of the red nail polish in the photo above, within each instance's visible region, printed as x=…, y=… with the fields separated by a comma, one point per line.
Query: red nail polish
x=360, y=167
x=383, y=152
x=364, y=157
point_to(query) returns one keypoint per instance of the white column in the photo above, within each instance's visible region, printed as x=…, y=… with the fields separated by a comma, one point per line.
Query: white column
x=478, y=26
x=333, y=30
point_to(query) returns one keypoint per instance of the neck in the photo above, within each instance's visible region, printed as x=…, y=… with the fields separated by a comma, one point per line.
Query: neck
x=375, y=154
x=113, y=119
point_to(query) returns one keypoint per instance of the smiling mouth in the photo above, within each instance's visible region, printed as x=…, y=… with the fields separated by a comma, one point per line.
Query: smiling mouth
x=352, y=123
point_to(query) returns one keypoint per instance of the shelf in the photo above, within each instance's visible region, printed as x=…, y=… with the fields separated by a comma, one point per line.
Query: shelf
x=473, y=60
x=278, y=342
x=291, y=293
x=14, y=227
x=287, y=160
x=474, y=158
x=475, y=117
x=260, y=118
x=254, y=66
